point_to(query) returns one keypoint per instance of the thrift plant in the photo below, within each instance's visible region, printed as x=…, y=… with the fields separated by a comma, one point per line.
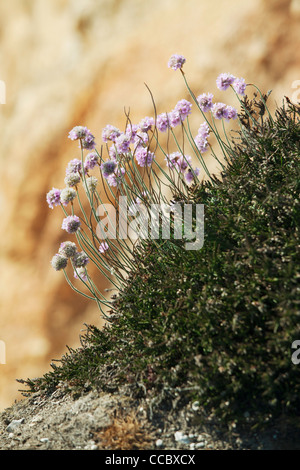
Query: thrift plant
x=214, y=324
x=136, y=164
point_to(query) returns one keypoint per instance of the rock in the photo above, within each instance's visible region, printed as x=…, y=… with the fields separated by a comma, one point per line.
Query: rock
x=15, y=423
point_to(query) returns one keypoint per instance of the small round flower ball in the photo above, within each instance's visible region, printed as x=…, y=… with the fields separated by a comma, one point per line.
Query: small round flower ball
x=81, y=274
x=91, y=160
x=176, y=61
x=103, y=247
x=183, y=107
x=110, y=133
x=91, y=183
x=162, y=122
x=117, y=177
x=174, y=118
x=80, y=259
x=78, y=132
x=88, y=142
x=146, y=124
x=205, y=101
x=74, y=166
x=108, y=168
x=220, y=110
x=201, y=143
x=53, y=197
x=71, y=224
x=231, y=113
x=67, y=249
x=67, y=195
x=122, y=143
x=144, y=157
x=240, y=86
x=73, y=179
x=224, y=81
x=191, y=175
x=59, y=262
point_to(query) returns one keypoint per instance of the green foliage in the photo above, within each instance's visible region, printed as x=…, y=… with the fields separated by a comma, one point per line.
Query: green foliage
x=221, y=320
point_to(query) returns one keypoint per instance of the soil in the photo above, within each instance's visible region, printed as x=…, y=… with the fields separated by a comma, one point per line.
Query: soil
x=104, y=421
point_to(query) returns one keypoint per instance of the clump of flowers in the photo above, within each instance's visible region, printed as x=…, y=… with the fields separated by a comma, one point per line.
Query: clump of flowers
x=176, y=61
x=137, y=166
x=71, y=224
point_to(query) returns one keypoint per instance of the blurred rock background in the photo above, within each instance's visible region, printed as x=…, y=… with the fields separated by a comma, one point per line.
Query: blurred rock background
x=80, y=62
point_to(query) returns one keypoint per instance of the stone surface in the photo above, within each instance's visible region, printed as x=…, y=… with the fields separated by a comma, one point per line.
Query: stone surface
x=66, y=63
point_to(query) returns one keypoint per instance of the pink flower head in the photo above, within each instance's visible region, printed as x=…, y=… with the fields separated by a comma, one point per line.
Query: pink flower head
x=122, y=143
x=201, y=143
x=84, y=135
x=220, y=110
x=103, y=247
x=108, y=168
x=144, y=157
x=240, y=86
x=162, y=122
x=204, y=130
x=174, y=118
x=146, y=124
x=53, y=197
x=183, y=107
x=71, y=224
x=91, y=160
x=224, y=81
x=131, y=131
x=116, y=178
x=231, y=113
x=205, y=101
x=80, y=273
x=74, y=166
x=176, y=61
x=191, y=175
x=110, y=133
x=78, y=132
x=178, y=161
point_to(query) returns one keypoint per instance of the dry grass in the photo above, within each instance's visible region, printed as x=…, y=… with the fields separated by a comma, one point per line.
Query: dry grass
x=126, y=432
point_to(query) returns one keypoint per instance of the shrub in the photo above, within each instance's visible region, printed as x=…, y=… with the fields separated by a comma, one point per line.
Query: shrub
x=217, y=323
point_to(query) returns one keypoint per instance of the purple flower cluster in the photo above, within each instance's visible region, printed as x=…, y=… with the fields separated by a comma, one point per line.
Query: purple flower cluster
x=80, y=259
x=71, y=224
x=122, y=143
x=68, y=250
x=53, y=197
x=163, y=122
x=191, y=175
x=221, y=110
x=91, y=160
x=103, y=247
x=108, y=168
x=117, y=177
x=74, y=166
x=110, y=133
x=224, y=81
x=178, y=161
x=176, y=61
x=202, y=136
x=205, y=101
x=183, y=107
x=84, y=135
x=143, y=156
x=146, y=124
x=67, y=195
x=59, y=262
